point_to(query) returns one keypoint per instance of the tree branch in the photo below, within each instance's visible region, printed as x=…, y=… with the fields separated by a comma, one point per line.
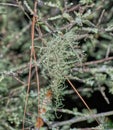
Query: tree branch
x=96, y=62
x=80, y=119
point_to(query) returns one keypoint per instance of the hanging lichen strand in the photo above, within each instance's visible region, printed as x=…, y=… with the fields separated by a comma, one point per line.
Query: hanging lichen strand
x=58, y=57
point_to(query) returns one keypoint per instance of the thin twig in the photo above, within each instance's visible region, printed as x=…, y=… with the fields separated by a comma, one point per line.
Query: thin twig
x=81, y=99
x=19, y=80
x=9, y=4
x=73, y=8
x=22, y=8
x=100, y=19
x=34, y=54
x=28, y=88
x=31, y=58
x=108, y=51
x=92, y=69
x=103, y=94
x=101, y=89
x=96, y=62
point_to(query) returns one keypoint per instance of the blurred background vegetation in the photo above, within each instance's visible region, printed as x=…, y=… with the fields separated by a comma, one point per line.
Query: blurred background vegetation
x=73, y=40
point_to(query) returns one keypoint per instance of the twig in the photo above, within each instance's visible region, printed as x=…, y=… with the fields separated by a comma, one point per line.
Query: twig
x=22, y=8
x=81, y=99
x=109, y=29
x=69, y=112
x=73, y=8
x=28, y=88
x=100, y=19
x=108, y=51
x=80, y=119
x=92, y=69
x=34, y=54
x=19, y=80
x=31, y=58
x=103, y=94
x=9, y=4
x=65, y=5
x=101, y=89
x=96, y=62
x=19, y=70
